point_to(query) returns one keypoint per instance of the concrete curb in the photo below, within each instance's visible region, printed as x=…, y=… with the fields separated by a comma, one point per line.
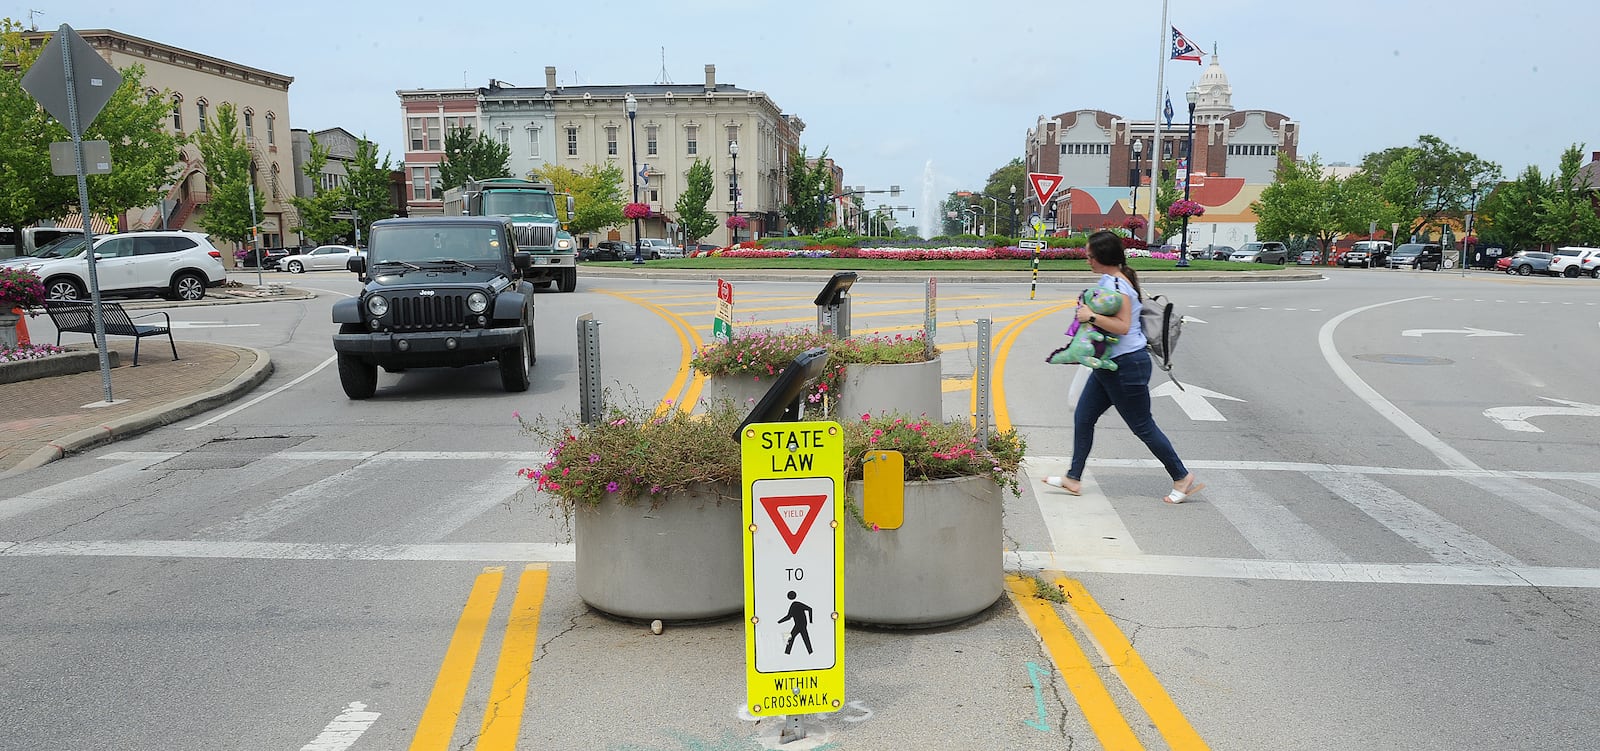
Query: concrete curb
x=76, y=361
x=150, y=419
x=289, y=294
x=948, y=277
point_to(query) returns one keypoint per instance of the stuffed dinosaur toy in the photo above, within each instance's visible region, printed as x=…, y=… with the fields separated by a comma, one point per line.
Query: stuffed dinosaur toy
x=1089, y=344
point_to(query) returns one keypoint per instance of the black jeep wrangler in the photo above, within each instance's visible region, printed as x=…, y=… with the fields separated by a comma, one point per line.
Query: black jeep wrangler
x=440, y=291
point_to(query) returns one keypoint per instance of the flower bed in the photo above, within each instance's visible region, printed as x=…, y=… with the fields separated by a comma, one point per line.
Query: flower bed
x=764, y=353
x=29, y=352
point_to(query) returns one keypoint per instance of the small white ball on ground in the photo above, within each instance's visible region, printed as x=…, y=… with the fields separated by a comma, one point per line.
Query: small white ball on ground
x=655, y=627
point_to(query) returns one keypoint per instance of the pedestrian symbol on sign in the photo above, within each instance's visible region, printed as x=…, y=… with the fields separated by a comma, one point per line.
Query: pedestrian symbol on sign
x=800, y=614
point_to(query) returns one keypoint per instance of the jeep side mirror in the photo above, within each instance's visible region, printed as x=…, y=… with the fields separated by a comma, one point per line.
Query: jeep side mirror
x=357, y=265
x=522, y=260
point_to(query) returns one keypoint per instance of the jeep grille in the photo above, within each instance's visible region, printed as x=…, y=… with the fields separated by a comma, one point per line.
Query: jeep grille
x=534, y=236
x=414, y=312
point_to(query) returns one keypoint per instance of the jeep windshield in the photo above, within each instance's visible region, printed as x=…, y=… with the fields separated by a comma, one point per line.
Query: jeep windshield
x=519, y=203
x=424, y=243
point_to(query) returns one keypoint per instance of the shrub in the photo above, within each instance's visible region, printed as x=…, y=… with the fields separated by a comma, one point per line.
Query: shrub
x=933, y=450
x=765, y=353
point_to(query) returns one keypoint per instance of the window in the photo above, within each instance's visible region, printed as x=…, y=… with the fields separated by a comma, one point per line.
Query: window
x=414, y=126
x=1086, y=148
x=505, y=135
x=419, y=184
x=249, y=124
x=692, y=143
x=275, y=195
x=177, y=113
x=434, y=143
x=533, y=142
x=611, y=140
x=458, y=123
x=650, y=140
x=200, y=108
x=572, y=140
x=272, y=133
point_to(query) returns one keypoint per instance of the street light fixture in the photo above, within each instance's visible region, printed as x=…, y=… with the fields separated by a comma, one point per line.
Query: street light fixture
x=633, y=146
x=1193, y=95
x=1014, y=216
x=733, y=151
x=1137, y=175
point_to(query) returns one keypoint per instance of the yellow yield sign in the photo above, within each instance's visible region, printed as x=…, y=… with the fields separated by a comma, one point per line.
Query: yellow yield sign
x=794, y=567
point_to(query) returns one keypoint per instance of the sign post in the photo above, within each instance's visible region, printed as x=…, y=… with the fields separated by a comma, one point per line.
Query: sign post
x=73, y=83
x=1044, y=186
x=722, y=327
x=793, y=473
x=930, y=320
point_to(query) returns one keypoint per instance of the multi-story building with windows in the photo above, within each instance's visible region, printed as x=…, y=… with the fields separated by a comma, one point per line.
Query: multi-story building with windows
x=1094, y=150
x=197, y=84
x=673, y=126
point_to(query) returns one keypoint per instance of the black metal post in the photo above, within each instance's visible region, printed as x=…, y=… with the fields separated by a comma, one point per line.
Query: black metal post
x=633, y=146
x=1188, y=180
x=733, y=151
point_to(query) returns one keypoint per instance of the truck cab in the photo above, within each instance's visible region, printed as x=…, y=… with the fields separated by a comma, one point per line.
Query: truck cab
x=531, y=207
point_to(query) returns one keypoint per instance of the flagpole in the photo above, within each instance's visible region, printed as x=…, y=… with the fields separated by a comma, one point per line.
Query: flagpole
x=1155, y=151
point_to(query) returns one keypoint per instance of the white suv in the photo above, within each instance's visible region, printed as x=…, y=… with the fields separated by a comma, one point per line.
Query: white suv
x=175, y=265
x=657, y=247
x=1575, y=261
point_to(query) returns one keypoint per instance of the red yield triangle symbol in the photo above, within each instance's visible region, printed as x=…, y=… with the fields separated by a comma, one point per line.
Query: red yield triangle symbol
x=1044, y=185
x=793, y=515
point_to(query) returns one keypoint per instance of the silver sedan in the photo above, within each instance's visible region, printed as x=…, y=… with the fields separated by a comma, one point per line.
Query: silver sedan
x=321, y=258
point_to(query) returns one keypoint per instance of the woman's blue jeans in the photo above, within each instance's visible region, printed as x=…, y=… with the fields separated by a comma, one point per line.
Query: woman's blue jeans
x=1128, y=389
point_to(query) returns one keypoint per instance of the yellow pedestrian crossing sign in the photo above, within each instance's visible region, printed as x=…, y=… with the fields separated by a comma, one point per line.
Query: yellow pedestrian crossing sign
x=794, y=567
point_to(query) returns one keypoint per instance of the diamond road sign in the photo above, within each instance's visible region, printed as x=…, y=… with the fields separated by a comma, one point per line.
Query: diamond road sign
x=94, y=80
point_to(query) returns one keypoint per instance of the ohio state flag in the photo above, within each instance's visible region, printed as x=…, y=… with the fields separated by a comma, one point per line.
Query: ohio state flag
x=1182, y=49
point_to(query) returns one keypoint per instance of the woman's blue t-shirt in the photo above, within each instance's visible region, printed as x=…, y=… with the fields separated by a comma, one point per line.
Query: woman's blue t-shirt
x=1134, y=340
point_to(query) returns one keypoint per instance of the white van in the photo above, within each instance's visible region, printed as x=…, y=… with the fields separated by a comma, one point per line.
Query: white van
x=15, y=243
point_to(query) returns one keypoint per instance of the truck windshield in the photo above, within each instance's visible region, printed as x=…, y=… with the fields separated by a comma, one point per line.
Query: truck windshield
x=415, y=244
x=519, y=202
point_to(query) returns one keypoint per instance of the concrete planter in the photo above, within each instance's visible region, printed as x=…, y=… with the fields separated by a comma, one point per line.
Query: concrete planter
x=943, y=565
x=8, y=329
x=744, y=390
x=679, y=562
x=910, y=389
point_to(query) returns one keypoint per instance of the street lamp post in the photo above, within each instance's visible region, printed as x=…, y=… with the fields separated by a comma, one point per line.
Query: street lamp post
x=1068, y=198
x=1137, y=174
x=1014, y=216
x=633, y=146
x=733, y=151
x=1193, y=95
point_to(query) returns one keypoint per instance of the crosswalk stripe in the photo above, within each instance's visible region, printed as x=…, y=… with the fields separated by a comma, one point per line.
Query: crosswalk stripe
x=1265, y=523
x=1565, y=512
x=264, y=520
x=448, y=513
x=1419, y=525
x=84, y=486
x=1086, y=524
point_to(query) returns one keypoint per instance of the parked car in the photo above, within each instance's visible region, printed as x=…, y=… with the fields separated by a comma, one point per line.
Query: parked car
x=28, y=241
x=1217, y=252
x=1420, y=256
x=320, y=258
x=1262, y=252
x=1529, y=262
x=1570, y=262
x=266, y=258
x=1367, y=254
x=61, y=246
x=175, y=265
x=1308, y=258
x=608, y=250
x=658, y=247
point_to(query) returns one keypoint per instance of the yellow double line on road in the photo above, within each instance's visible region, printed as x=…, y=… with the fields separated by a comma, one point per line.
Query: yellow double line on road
x=502, y=717
x=690, y=342
x=1002, y=350
x=1100, y=710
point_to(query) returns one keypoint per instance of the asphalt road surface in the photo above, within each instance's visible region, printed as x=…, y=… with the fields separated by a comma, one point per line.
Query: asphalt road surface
x=1396, y=549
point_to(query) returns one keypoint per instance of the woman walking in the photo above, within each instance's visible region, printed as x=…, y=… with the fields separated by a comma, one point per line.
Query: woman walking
x=1128, y=387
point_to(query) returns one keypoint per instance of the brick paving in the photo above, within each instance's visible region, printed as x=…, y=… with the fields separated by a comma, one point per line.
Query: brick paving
x=35, y=413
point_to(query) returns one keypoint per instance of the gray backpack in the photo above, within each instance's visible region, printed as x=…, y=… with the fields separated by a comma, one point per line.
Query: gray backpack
x=1162, y=325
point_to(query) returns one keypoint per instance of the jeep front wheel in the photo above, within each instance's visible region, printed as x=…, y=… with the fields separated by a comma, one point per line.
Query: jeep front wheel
x=515, y=362
x=359, y=379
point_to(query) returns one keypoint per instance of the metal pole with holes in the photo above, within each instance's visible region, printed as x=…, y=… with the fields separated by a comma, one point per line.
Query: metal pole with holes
x=591, y=399
x=980, y=381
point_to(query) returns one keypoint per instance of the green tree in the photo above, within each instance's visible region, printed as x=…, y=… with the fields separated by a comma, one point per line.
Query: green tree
x=807, y=182
x=952, y=219
x=317, y=210
x=1013, y=176
x=1302, y=202
x=693, y=217
x=472, y=155
x=368, y=185
x=1441, y=179
x=1511, y=214
x=1566, y=212
x=229, y=169
x=596, y=194
x=1167, y=195
x=144, y=154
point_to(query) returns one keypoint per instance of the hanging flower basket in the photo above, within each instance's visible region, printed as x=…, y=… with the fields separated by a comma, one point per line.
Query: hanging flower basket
x=20, y=289
x=1182, y=208
x=1133, y=223
x=636, y=211
x=737, y=222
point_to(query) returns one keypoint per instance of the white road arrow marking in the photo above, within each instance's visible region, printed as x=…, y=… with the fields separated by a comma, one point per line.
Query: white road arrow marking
x=345, y=729
x=1516, y=418
x=210, y=325
x=1192, y=319
x=1469, y=331
x=1192, y=400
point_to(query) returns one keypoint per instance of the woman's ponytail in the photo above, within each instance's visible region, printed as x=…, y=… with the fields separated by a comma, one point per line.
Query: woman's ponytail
x=1133, y=278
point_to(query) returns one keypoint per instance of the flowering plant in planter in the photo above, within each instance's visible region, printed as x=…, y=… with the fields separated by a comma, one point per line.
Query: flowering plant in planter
x=1183, y=207
x=737, y=222
x=20, y=288
x=1134, y=223
x=633, y=454
x=935, y=450
x=636, y=211
x=765, y=353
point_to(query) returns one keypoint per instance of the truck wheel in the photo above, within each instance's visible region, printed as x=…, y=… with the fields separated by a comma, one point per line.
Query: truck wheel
x=516, y=362
x=359, y=379
x=568, y=280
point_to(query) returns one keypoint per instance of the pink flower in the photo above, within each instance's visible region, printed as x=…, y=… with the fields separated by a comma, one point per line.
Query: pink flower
x=611, y=487
x=515, y=415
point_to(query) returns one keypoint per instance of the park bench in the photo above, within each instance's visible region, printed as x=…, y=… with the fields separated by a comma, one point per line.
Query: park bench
x=77, y=316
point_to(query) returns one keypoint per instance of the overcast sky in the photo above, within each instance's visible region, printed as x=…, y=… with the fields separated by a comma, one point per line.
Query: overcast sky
x=888, y=86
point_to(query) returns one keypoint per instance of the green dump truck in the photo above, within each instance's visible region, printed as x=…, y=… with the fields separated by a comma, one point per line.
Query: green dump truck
x=531, y=207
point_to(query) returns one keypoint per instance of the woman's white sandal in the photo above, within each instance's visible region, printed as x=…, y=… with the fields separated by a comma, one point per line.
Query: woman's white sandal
x=1060, y=483
x=1176, y=496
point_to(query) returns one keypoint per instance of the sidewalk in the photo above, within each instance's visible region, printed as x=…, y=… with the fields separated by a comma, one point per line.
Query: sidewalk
x=43, y=419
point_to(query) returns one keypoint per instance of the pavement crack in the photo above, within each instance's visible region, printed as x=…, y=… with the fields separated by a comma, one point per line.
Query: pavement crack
x=544, y=648
x=156, y=486
x=1546, y=595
